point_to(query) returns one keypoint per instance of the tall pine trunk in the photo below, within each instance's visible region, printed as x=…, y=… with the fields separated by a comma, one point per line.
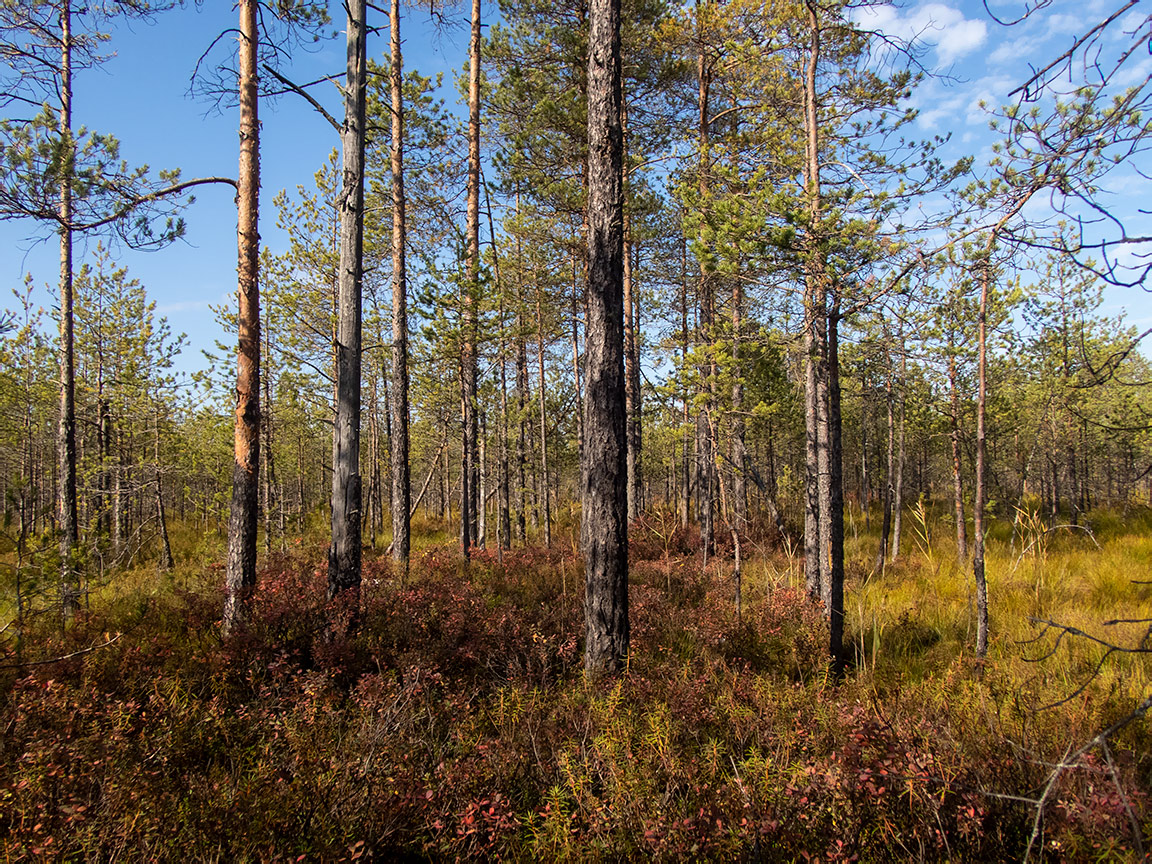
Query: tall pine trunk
x=469, y=489
x=66, y=432
x=240, y=577
x=954, y=435
x=401, y=491
x=345, y=552
x=604, y=523
x=978, y=504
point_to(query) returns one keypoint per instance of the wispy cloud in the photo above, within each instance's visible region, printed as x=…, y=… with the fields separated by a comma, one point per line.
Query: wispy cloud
x=935, y=24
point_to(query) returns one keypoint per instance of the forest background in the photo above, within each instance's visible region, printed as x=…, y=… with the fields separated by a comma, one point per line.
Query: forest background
x=1032, y=228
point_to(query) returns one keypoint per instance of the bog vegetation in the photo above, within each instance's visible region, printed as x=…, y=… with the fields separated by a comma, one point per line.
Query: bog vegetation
x=664, y=455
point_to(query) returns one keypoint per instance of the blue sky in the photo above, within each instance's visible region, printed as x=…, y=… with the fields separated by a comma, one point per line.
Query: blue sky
x=141, y=96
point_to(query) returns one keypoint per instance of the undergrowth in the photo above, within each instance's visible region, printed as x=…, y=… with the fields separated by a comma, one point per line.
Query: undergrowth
x=453, y=721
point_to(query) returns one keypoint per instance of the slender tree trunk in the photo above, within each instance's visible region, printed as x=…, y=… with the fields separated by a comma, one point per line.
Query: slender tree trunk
x=401, y=480
x=345, y=552
x=482, y=496
x=469, y=490
x=505, y=481
x=266, y=450
x=241, y=567
x=836, y=496
x=576, y=358
x=631, y=376
x=66, y=433
x=815, y=336
x=604, y=524
x=957, y=483
x=166, y=562
x=522, y=411
x=978, y=505
x=705, y=492
x=739, y=450
x=686, y=434
x=865, y=491
x=898, y=495
x=544, y=492
x=886, y=522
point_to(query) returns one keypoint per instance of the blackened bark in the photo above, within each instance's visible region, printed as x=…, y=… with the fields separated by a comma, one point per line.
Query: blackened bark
x=240, y=575
x=604, y=524
x=345, y=552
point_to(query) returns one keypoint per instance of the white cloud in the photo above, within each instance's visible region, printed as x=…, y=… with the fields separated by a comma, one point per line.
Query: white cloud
x=943, y=27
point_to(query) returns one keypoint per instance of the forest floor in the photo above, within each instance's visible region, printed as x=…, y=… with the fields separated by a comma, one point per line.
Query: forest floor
x=455, y=722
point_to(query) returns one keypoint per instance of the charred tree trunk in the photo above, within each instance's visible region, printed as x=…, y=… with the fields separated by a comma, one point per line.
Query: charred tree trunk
x=604, y=525
x=345, y=551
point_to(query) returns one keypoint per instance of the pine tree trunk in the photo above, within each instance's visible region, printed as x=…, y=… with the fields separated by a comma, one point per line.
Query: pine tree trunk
x=469, y=489
x=739, y=451
x=898, y=494
x=815, y=336
x=631, y=377
x=886, y=520
x=604, y=523
x=344, y=554
x=576, y=359
x=957, y=482
x=66, y=432
x=241, y=567
x=705, y=489
x=544, y=491
x=522, y=414
x=978, y=505
x=401, y=479
x=166, y=562
x=836, y=497
x=686, y=435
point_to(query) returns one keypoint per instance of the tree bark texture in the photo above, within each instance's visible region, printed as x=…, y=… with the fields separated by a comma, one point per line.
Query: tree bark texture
x=401, y=480
x=978, y=504
x=240, y=574
x=604, y=524
x=66, y=431
x=470, y=489
x=957, y=480
x=344, y=554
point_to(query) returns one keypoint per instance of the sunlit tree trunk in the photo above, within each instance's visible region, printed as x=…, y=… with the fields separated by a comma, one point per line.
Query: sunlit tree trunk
x=470, y=488
x=241, y=566
x=401, y=524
